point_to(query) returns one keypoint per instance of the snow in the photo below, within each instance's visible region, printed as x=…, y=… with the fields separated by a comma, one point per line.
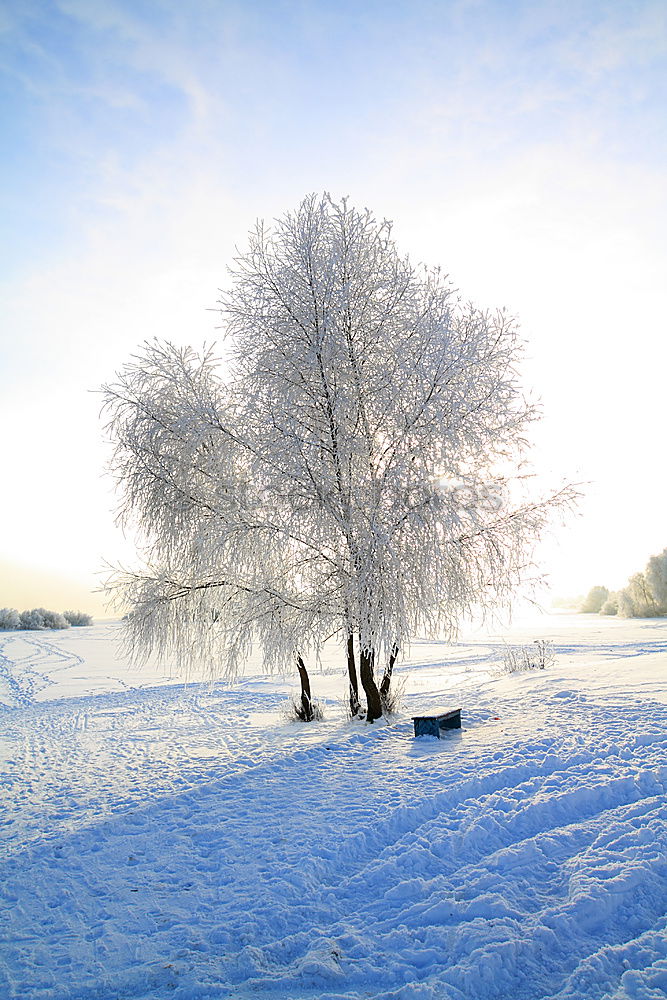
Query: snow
x=163, y=839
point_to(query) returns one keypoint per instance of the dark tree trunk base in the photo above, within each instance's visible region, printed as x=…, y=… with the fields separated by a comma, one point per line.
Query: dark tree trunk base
x=385, y=686
x=306, y=712
x=373, y=703
x=355, y=704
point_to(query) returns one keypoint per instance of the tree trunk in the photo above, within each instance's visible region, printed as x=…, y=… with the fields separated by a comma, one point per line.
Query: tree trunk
x=374, y=705
x=386, y=679
x=355, y=704
x=306, y=699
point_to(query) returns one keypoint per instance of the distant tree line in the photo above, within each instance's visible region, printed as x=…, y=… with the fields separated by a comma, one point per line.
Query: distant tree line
x=644, y=596
x=40, y=618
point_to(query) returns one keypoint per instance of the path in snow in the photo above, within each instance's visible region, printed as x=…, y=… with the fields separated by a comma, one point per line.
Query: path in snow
x=159, y=846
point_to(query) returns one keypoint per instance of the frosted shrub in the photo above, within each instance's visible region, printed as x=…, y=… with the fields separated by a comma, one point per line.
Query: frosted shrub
x=636, y=600
x=626, y=606
x=594, y=600
x=53, y=619
x=392, y=698
x=77, y=618
x=610, y=606
x=656, y=578
x=537, y=656
x=9, y=619
x=32, y=619
x=295, y=710
x=40, y=618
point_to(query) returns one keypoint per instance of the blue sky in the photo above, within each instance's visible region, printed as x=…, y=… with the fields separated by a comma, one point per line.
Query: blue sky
x=520, y=145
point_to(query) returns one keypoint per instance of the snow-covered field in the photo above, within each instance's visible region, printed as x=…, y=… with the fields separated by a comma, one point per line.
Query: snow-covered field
x=168, y=840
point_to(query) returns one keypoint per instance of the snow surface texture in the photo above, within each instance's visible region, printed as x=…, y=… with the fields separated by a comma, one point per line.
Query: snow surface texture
x=170, y=840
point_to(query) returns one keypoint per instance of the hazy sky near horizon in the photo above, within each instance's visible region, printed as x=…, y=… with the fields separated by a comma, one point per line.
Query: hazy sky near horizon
x=521, y=145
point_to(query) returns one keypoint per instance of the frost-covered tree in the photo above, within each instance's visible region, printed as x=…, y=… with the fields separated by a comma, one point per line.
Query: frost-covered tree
x=53, y=619
x=41, y=618
x=77, y=618
x=355, y=469
x=636, y=599
x=9, y=619
x=594, y=600
x=645, y=595
x=656, y=579
x=32, y=619
x=610, y=606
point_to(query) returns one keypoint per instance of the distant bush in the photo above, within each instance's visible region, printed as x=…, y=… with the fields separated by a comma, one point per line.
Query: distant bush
x=77, y=618
x=40, y=618
x=9, y=619
x=626, y=606
x=610, y=606
x=594, y=600
x=32, y=619
x=54, y=619
x=656, y=578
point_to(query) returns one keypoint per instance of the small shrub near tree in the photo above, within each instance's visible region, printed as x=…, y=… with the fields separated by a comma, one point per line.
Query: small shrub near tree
x=296, y=711
x=392, y=697
x=535, y=656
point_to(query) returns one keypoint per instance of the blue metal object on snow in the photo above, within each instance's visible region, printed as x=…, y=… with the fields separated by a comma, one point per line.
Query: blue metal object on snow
x=432, y=725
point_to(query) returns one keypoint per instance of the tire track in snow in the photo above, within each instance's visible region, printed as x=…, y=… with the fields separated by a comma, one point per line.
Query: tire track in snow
x=605, y=793
x=461, y=888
